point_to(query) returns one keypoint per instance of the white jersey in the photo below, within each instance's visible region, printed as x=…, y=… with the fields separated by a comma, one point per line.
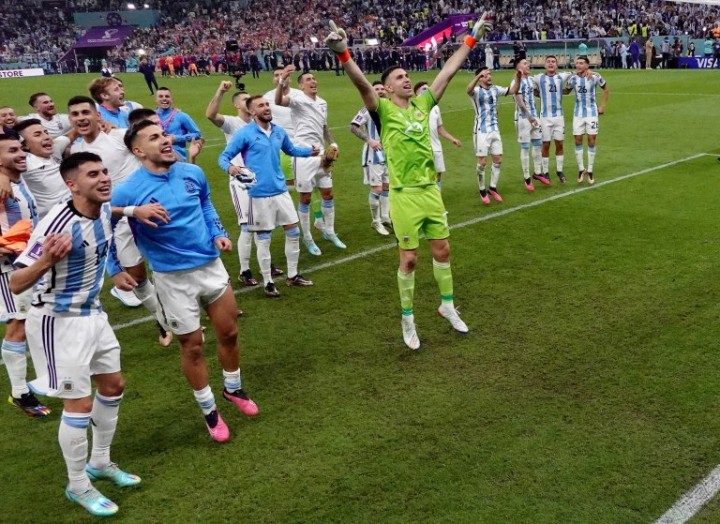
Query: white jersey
x=526, y=91
x=282, y=115
x=485, y=103
x=72, y=285
x=550, y=89
x=310, y=118
x=435, y=122
x=17, y=207
x=130, y=106
x=43, y=178
x=230, y=125
x=116, y=157
x=364, y=120
x=57, y=126
x=584, y=89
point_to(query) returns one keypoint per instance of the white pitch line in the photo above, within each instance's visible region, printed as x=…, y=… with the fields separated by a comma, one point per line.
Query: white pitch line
x=391, y=245
x=692, y=501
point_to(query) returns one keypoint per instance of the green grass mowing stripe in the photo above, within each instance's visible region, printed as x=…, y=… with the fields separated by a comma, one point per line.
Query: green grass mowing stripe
x=390, y=245
x=692, y=501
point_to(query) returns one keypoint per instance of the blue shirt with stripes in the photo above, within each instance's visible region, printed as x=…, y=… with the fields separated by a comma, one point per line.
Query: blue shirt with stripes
x=369, y=155
x=485, y=103
x=550, y=88
x=527, y=92
x=584, y=89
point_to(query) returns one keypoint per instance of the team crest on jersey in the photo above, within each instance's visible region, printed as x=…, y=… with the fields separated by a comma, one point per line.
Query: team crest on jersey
x=190, y=186
x=35, y=251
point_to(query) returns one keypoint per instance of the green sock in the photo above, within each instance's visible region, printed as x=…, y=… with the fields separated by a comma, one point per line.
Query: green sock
x=316, y=206
x=406, y=285
x=443, y=277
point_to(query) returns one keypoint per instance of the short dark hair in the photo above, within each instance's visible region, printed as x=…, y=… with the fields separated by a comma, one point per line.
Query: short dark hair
x=278, y=68
x=388, y=71
x=301, y=75
x=163, y=88
x=419, y=85
x=24, y=124
x=584, y=59
x=7, y=138
x=132, y=133
x=80, y=99
x=377, y=83
x=75, y=160
x=138, y=115
x=481, y=69
x=550, y=56
x=250, y=100
x=237, y=94
x=35, y=96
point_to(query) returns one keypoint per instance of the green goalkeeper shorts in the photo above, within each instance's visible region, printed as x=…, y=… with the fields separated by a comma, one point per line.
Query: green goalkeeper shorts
x=416, y=209
x=286, y=166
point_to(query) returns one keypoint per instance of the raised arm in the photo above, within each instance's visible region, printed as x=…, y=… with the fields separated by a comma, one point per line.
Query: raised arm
x=473, y=83
x=283, y=88
x=213, y=107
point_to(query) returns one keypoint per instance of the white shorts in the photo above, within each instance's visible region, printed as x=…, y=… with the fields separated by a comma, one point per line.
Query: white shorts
x=375, y=175
x=12, y=306
x=267, y=213
x=240, y=200
x=181, y=294
x=439, y=161
x=309, y=174
x=526, y=132
x=127, y=251
x=585, y=126
x=68, y=350
x=553, y=128
x=487, y=143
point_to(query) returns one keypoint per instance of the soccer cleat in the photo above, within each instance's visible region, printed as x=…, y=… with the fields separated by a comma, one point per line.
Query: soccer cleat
x=114, y=474
x=93, y=501
x=591, y=179
x=30, y=405
x=299, y=281
x=312, y=247
x=247, y=279
x=494, y=193
x=216, y=427
x=128, y=298
x=484, y=198
x=378, y=226
x=387, y=223
x=581, y=176
x=542, y=179
x=271, y=291
x=410, y=336
x=243, y=402
x=165, y=337
x=561, y=177
x=335, y=240
x=528, y=185
x=275, y=271
x=450, y=314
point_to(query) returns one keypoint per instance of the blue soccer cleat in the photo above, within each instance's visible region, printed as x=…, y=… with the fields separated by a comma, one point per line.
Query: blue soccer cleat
x=93, y=501
x=114, y=474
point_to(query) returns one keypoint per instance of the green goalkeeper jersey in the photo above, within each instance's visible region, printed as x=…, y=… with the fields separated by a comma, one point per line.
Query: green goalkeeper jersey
x=405, y=136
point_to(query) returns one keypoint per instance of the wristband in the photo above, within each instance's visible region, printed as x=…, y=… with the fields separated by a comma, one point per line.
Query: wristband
x=469, y=41
x=344, y=56
x=129, y=211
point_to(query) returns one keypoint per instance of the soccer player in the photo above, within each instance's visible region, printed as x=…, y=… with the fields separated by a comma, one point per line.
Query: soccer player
x=148, y=71
x=44, y=155
x=109, y=93
x=415, y=200
x=437, y=130
x=486, y=132
x=309, y=113
x=56, y=124
x=120, y=163
x=260, y=143
x=374, y=166
x=183, y=253
x=8, y=119
x=550, y=85
x=14, y=306
x=70, y=338
x=282, y=117
x=528, y=127
x=586, y=121
x=178, y=125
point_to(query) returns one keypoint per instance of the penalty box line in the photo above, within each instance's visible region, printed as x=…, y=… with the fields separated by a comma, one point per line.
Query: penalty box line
x=497, y=214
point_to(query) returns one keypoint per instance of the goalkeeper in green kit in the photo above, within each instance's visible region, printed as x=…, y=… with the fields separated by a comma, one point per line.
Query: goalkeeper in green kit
x=415, y=201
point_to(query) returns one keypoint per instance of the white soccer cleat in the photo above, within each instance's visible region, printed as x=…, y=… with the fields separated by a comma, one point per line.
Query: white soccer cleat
x=450, y=314
x=410, y=336
x=380, y=228
x=128, y=298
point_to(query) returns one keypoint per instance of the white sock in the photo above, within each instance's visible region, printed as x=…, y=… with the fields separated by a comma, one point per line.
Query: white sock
x=244, y=247
x=205, y=399
x=524, y=161
x=292, y=250
x=385, y=206
x=262, y=243
x=560, y=161
x=374, y=203
x=328, y=211
x=480, y=172
x=545, y=164
x=537, y=160
x=13, y=353
x=145, y=292
x=579, y=158
x=232, y=380
x=72, y=436
x=304, y=214
x=591, y=158
x=104, y=418
x=494, y=175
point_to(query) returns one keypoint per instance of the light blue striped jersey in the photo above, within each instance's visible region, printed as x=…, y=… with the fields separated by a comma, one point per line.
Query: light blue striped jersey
x=17, y=207
x=550, y=89
x=369, y=155
x=485, y=103
x=71, y=286
x=584, y=89
x=527, y=92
